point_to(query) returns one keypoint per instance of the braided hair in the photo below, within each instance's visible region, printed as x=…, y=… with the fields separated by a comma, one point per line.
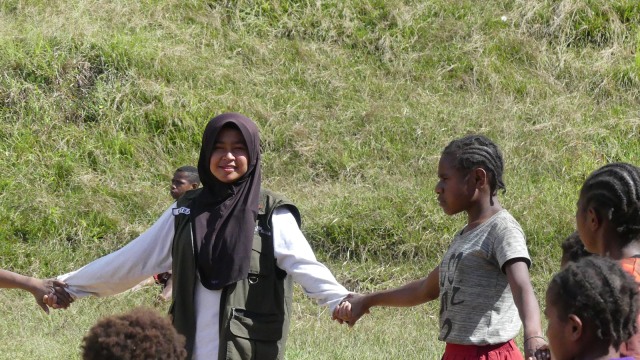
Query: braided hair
x=601, y=294
x=475, y=151
x=614, y=192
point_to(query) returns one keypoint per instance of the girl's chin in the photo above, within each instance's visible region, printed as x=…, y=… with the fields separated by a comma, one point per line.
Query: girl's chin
x=227, y=178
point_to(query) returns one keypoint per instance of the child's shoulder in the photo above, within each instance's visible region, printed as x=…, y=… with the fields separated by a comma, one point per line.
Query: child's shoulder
x=188, y=197
x=504, y=218
x=504, y=223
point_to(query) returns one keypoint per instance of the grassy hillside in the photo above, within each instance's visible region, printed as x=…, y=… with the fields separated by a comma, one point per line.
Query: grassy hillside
x=101, y=100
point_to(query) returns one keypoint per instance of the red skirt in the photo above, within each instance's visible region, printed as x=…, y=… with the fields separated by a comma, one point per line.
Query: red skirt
x=504, y=351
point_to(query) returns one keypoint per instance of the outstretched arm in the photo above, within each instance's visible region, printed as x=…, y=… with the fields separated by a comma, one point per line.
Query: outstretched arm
x=414, y=293
x=146, y=255
x=518, y=276
x=295, y=256
x=38, y=287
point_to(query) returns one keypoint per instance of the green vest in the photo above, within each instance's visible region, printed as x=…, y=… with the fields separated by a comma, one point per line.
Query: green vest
x=254, y=312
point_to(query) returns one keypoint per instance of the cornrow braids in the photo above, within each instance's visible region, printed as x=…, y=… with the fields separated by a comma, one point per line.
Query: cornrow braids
x=601, y=294
x=475, y=151
x=614, y=191
x=191, y=172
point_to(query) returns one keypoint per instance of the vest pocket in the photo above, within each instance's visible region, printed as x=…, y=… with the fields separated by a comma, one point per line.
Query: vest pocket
x=250, y=325
x=253, y=335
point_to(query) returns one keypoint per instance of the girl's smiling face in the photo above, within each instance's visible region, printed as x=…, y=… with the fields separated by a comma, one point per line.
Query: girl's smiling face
x=230, y=157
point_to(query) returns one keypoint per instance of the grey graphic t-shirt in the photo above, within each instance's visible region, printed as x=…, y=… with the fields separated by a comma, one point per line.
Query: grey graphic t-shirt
x=476, y=305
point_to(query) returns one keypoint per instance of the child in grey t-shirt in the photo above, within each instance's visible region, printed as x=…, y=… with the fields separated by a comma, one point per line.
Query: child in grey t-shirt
x=483, y=280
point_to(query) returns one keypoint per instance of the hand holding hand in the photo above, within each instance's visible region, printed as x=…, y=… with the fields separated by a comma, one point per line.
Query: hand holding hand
x=536, y=348
x=342, y=312
x=51, y=292
x=351, y=309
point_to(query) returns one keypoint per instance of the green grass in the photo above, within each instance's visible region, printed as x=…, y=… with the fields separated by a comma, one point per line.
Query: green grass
x=100, y=101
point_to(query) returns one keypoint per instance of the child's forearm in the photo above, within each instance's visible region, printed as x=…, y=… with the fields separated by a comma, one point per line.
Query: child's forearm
x=524, y=298
x=414, y=293
x=407, y=295
x=530, y=315
x=534, y=343
x=12, y=280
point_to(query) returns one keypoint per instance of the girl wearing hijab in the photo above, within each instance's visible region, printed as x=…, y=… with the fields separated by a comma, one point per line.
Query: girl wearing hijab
x=234, y=249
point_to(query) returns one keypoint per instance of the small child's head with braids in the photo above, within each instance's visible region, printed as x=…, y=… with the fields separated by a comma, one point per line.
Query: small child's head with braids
x=591, y=308
x=572, y=249
x=608, y=214
x=466, y=165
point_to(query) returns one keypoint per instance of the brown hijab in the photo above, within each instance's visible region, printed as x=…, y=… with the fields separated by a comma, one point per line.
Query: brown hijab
x=224, y=215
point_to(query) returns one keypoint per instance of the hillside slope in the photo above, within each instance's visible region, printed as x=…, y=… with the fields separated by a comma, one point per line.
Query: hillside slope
x=101, y=100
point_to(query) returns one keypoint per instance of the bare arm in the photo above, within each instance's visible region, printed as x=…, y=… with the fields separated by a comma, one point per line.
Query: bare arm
x=414, y=293
x=11, y=280
x=37, y=287
x=528, y=308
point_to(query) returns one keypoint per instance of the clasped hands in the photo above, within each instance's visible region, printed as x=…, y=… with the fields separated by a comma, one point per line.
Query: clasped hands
x=350, y=309
x=52, y=293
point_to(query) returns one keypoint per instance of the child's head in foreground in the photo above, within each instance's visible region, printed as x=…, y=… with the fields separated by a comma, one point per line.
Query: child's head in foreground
x=141, y=334
x=608, y=210
x=572, y=249
x=591, y=308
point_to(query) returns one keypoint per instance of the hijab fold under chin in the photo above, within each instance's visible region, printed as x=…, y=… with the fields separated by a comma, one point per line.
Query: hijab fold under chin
x=224, y=215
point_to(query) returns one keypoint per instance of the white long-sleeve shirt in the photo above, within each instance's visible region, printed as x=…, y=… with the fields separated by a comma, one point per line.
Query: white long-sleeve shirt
x=150, y=254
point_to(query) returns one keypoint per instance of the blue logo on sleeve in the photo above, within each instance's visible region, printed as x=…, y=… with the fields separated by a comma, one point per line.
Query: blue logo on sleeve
x=182, y=210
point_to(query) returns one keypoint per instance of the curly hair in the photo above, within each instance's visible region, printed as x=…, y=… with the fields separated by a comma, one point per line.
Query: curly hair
x=475, y=151
x=601, y=294
x=140, y=334
x=573, y=248
x=614, y=192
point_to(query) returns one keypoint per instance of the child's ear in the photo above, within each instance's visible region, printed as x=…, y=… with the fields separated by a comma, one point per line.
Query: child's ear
x=574, y=327
x=480, y=177
x=593, y=219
